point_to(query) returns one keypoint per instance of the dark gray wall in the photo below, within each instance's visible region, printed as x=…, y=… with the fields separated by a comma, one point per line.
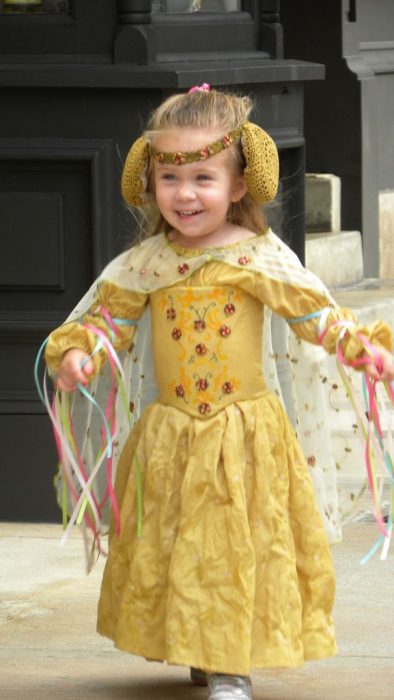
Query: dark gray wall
x=385, y=128
x=348, y=118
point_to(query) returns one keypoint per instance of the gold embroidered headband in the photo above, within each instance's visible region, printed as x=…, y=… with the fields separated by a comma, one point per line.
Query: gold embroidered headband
x=181, y=158
x=260, y=153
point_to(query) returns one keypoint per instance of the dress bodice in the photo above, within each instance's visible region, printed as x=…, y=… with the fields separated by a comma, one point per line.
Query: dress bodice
x=207, y=345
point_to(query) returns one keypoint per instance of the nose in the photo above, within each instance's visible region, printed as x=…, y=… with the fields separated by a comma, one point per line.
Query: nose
x=185, y=191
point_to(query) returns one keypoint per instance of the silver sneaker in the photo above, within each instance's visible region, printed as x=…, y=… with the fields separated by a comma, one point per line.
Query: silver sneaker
x=223, y=687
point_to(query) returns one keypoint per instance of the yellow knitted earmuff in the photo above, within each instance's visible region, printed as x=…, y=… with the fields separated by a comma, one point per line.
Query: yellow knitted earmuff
x=260, y=152
x=135, y=173
x=262, y=163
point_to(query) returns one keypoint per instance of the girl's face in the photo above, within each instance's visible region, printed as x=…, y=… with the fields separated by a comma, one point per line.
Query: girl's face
x=194, y=198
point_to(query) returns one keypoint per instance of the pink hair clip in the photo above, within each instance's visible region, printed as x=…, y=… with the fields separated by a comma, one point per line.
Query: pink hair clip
x=205, y=87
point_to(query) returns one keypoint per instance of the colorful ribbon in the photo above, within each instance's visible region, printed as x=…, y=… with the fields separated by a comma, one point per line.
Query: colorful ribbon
x=79, y=479
x=378, y=457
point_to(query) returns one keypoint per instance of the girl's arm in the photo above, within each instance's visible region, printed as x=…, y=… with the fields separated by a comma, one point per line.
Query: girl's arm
x=301, y=298
x=333, y=326
x=70, y=345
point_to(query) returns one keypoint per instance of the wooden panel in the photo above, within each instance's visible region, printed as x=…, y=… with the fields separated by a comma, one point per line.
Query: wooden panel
x=18, y=349
x=86, y=32
x=28, y=493
x=32, y=224
x=47, y=247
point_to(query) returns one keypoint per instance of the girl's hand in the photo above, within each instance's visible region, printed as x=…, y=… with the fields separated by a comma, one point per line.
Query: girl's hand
x=73, y=370
x=386, y=374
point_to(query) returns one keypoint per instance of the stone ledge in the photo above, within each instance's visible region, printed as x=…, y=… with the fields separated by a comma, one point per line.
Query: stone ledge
x=336, y=258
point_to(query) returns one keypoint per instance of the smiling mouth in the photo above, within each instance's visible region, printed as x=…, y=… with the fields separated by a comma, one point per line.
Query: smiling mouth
x=189, y=212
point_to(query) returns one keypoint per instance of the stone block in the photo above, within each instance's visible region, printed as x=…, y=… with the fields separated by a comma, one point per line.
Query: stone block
x=336, y=258
x=322, y=203
x=386, y=234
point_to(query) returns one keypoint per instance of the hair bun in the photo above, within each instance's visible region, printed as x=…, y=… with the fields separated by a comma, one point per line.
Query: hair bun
x=134, y=177
x=262, y=163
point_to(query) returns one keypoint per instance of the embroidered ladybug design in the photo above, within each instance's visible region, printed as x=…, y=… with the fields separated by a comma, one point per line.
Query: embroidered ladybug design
x=243, y=260
x=204, y=408
x=183, y=268
x=200, y=325
x=179, y=390
x=171, y=314
x=224, y=331
x=311, y=461
x=201, y=349
x=229, y=309
x=176, y=333
x=227, y=388
x=202, y=384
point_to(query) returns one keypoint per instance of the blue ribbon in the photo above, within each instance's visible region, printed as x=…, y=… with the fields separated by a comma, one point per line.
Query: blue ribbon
x=301, y=319
x=36, y=365
x=373, y=550
x=125, y=322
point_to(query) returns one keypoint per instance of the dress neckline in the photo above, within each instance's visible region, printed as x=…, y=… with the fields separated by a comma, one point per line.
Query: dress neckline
x=184, y=251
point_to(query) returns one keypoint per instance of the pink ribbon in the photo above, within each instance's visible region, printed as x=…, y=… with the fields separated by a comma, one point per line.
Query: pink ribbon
x=70, y=455
x=110, y=416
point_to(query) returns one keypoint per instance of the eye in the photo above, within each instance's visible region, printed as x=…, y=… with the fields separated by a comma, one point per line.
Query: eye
x=169, y=177
x=203, y=177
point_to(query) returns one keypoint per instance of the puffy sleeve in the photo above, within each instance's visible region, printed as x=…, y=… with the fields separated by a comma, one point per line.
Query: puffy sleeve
x=284, y=285
x=123, y=306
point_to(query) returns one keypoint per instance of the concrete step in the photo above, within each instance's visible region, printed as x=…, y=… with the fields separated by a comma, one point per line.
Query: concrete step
x=336, y=258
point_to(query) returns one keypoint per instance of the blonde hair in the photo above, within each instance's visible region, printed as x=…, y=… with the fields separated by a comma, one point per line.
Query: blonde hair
x=219, y=111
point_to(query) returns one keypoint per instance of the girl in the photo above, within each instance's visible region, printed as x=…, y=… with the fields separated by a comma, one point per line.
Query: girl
x=233, y=570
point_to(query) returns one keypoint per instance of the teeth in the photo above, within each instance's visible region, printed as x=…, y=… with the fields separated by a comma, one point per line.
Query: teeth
x=188, y=213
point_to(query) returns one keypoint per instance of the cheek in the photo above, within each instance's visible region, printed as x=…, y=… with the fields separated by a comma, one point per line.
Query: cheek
x=161, y=194
x=217, y=194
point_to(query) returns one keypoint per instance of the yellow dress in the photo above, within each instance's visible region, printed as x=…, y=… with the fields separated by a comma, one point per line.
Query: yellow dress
x=233, y=570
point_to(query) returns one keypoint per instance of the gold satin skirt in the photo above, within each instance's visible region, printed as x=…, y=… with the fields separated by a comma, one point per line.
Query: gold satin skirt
x=233, y=570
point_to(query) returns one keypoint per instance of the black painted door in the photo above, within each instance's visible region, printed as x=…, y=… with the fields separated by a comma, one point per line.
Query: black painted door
x=52, y=208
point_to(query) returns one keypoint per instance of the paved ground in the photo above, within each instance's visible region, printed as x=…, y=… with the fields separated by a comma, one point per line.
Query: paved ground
x=49, y=648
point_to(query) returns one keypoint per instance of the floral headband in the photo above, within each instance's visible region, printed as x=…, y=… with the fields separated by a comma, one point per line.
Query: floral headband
x=181, y=158
x=259, y=150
